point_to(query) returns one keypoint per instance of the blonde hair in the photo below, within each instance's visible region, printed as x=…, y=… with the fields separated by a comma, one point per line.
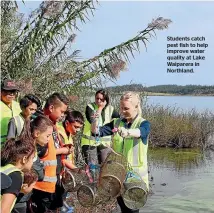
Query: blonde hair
x=134, y=98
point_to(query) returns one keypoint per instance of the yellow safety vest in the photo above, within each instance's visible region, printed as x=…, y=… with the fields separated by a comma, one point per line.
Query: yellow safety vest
x=87, y=138
x=6, y=114
x=8, y=169
x=67, y=140
x=133, y=149
x=19, y=121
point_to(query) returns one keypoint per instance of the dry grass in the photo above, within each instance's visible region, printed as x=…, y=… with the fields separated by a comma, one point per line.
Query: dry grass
x=172, y=127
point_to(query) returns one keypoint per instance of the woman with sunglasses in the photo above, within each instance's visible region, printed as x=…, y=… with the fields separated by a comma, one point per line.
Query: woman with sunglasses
x=95, y=149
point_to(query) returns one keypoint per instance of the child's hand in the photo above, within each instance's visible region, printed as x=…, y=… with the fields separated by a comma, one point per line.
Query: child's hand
x=64, y=151
x=71, y=149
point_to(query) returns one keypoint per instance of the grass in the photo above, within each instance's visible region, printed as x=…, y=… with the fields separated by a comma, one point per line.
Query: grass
x=172, y=127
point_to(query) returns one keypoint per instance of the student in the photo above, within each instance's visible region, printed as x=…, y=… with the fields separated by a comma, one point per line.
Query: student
x=8, y=106
x=71, y=125
x=28, y=104
x=131, y=137
x=96, y=151
x=47, y=194
x=40, y=130
x=15, y=157
x=30, y=179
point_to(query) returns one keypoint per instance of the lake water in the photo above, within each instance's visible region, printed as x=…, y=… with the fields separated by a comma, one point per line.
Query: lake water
x=182, y=181
x=200, y=103
x=179, y=183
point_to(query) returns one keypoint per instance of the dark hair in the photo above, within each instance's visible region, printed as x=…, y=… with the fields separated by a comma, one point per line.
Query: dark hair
x=105, y=95
x=28, y=100
x=40, y=123
x=72, y=116
x=15, y=150
x=56, y=99
x=30, y=177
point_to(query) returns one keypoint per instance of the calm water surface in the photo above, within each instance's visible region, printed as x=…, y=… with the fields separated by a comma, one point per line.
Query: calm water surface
x=182, y=181
x=199, y=103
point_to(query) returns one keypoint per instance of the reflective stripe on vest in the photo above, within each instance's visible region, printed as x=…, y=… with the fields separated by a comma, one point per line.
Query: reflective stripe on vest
x=133, y=149
x=19, y=121
x=49, y=182
x=50, y=179
x=49, y=163
x=5, y=115
x=8, y=169
x=87, y=139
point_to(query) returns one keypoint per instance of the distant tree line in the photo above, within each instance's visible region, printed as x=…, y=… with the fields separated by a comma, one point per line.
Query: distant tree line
x=173, y=89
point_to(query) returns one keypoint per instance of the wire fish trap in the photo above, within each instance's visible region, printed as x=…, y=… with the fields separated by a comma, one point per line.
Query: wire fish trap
x=135, y=191
x=88, y=195
x=112, y=175
x=117, y=157
x=73, y=180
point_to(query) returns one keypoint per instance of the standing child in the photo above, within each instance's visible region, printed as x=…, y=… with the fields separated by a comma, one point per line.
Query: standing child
x=71, y=125
x=48, y=193
x=28, y=104
x=15, y=157
x=40, y=130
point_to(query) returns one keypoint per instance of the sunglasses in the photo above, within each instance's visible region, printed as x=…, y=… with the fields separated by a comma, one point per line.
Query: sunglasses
x=100, y=99
x=10, y=92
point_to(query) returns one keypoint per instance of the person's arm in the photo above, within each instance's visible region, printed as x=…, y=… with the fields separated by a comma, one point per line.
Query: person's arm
x=6, y=202
x=39, y=169
x=105, y=130
x=88, y=113
x=143, y=131
x=145, y=128
x=115, y=114
x=11, y=131
x=64, y=151
x=10, y=194
x=68, y=164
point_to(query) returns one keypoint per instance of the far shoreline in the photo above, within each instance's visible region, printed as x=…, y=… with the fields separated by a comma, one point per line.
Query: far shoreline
x=170, y=94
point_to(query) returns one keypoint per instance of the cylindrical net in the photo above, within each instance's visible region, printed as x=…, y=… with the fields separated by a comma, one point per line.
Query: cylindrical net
x=112, y=175
x=73, y=180
x=135, y=192
x=87, y=195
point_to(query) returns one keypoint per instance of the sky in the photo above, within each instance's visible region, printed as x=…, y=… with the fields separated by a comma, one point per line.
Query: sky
x=115, y=22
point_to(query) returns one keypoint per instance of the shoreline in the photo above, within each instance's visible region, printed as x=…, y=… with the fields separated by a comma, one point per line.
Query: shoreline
x=169, y=94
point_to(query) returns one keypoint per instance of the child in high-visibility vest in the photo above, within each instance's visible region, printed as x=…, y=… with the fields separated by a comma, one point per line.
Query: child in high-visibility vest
x=47, y=194
x=28, y=104
x=40, y=130
x=71, y=125
x=15, y=157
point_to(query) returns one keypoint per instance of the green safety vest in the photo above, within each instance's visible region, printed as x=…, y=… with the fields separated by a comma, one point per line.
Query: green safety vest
x=133, y=149
x=67, y=140
x=19, y=121
x=87, y=138
x=6, y=114
x=8, y=169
